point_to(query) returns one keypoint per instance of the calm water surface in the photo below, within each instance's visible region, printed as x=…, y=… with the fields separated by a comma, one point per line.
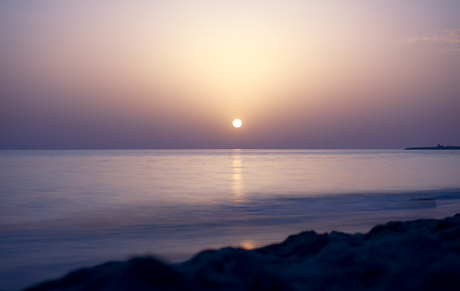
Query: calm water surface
x=61, y=210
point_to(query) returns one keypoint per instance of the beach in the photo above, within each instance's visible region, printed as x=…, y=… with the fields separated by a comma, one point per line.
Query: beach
x=229, y=145
x=66, y=210
x=411, y=255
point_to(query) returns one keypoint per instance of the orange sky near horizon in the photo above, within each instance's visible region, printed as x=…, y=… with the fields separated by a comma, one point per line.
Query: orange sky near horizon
x=174, y=74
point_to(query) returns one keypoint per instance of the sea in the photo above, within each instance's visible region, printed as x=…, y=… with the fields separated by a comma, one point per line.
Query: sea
x=66, y=209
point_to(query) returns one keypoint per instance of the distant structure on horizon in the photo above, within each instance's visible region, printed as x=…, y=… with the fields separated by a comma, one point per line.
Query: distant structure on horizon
x=439, y=147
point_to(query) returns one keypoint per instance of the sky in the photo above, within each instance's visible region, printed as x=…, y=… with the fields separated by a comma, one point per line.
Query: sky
x=145, y=74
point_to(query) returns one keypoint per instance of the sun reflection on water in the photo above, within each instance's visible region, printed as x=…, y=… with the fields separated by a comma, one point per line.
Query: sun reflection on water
x=248, y=245
x=237, y=172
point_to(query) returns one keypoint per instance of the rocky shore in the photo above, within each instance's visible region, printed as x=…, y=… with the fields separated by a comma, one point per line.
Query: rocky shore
x=411, y=255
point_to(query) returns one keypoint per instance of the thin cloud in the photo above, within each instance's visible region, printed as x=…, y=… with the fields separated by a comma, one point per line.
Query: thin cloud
x=445, y=36
x=448, y=38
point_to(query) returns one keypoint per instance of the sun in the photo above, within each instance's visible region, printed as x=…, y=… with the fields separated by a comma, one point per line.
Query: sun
x=237, y=123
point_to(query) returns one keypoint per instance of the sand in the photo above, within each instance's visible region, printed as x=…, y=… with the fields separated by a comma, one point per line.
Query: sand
x=411, y=255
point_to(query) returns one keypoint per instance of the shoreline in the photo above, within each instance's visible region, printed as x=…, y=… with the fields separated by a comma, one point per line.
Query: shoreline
x=412, y=255
x=47, y=255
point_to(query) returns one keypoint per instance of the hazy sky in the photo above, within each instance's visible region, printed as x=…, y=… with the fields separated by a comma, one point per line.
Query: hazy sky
x=174, y=74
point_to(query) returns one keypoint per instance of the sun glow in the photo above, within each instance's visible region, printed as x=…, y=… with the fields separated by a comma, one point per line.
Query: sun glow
x=237, y=123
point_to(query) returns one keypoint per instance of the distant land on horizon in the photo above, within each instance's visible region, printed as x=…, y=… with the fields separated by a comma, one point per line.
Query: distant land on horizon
x=439, y=147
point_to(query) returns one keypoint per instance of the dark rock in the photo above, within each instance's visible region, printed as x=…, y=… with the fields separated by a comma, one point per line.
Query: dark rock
x=412, y=255
x=140, y=274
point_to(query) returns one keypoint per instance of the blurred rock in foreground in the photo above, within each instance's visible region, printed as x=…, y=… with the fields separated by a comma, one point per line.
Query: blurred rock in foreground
x=412, y=255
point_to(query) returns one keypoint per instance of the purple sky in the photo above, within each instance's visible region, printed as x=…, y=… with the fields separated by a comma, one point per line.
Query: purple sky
x=174, y=74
